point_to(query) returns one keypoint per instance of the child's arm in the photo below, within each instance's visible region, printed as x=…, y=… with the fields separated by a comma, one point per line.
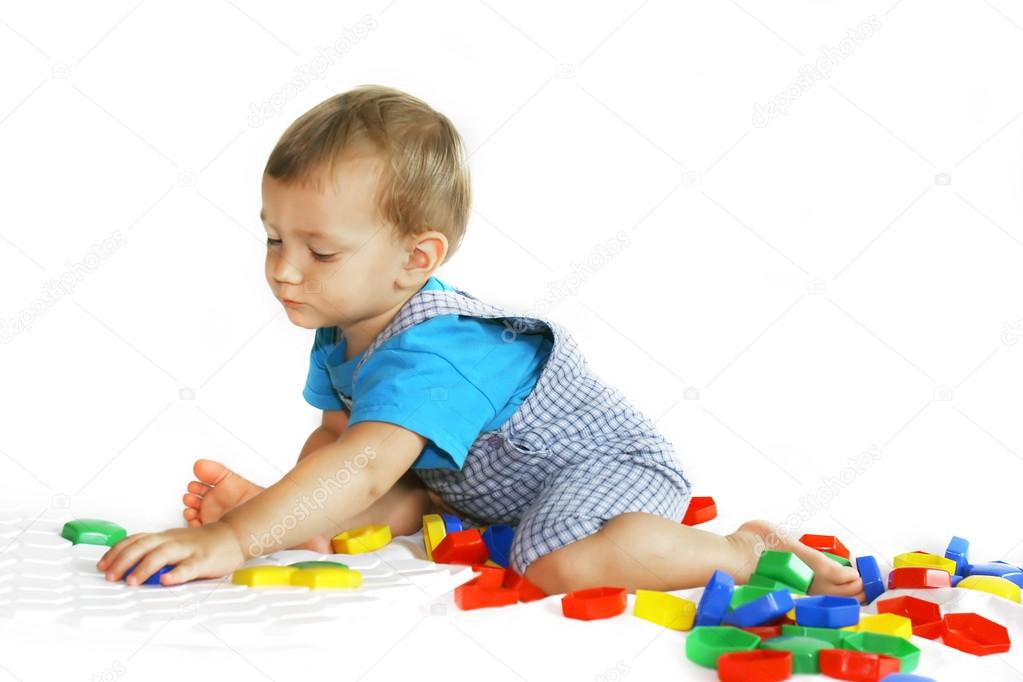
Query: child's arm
x=341, y=480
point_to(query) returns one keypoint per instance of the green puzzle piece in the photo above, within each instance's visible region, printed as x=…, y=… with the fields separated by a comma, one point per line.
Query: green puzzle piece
x=805, y=651
x=318, y=564
x=93, y=532
x=785, y=567
x=840, y=559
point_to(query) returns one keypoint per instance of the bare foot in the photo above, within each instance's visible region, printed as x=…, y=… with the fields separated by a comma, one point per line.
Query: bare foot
x=219, y=490
x=829, y=576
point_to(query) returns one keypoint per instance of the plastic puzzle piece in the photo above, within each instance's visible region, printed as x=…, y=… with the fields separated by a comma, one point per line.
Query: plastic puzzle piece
x=925, y=560
x=490, y=578
x=498, y=539
x=974, y=634
x=838, y=559
x=262, y=576
x=318, y=564
x=771, y=584
x=958, y=550
x=462, y=547
x=805, y=651
x=594, y=603
x=471, y=596
x=527, y=591
x=93, y=532
x=452, y=524
x=151, y=580
x=744, y=594
x=326, y=578
x=786, y=568
x=361, y=540
x=832, y=636
x=828, y=544
x=877, y=643
x=758, y=665
x=827, y=611
x=906, y=677
x=716, y=597
x=924, y=615
x=857, y=665
x=998, y=568
x=700, y=510
x=915, y=577
x=766, y=631
x=705, y=644
x=870, y=574
x=434, y=531
x=761, y=610
x=661, y=608
x=887, y=624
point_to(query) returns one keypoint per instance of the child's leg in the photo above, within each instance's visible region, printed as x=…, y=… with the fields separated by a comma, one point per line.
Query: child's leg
x=637, y=550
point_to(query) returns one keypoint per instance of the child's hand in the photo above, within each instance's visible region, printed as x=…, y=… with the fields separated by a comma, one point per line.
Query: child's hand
x=208, y=551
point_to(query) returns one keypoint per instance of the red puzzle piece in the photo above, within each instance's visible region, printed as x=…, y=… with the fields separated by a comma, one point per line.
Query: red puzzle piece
x=925, y=615
x=700, y=510
x=974, y=634
x=462, y=547
x=594, y=603
x=915, y=576
x=825, y=543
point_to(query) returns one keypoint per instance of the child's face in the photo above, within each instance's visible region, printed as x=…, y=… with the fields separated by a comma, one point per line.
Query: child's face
x=327, y=251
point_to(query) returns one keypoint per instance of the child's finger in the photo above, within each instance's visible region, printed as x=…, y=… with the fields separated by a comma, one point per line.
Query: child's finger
x=182, y=573
x=130, y=556
x=115, y=551
x=157, y=558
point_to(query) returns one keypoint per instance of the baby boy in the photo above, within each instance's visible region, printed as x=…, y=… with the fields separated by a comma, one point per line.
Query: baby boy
x=434, y=400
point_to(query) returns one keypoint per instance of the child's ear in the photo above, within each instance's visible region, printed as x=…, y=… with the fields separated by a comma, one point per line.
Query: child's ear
x=427, y=252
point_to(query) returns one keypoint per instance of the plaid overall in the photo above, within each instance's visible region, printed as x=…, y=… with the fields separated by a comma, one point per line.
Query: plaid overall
x=572, y=456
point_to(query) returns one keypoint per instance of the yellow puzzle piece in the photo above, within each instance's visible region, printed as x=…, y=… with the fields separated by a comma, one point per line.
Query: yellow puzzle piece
x=885, y=624
x=326, y=577
x=361, y=540
x=261, y=576
x=921, y=560
x=992, y=584
x=433, y=532
x=664, y=609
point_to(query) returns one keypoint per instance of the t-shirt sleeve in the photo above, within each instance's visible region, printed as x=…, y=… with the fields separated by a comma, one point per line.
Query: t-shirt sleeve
x=422, y=392
x=319, y=391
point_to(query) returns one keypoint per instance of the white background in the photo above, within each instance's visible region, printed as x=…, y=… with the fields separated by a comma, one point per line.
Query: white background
x=844, y=278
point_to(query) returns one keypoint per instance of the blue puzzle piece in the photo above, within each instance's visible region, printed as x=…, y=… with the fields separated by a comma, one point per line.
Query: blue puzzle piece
x=771, y=606
x=958, y=551
x=998, y=568
x=826, y=611
x=153, y=579
x=870, y=573
x=452, y=524
x=498, y=539
x=717, y=595
x=1015, y=578
x=906, y=677
x=956, y=578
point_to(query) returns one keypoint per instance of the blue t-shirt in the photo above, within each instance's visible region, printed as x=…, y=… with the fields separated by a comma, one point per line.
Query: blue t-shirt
x=448, y=379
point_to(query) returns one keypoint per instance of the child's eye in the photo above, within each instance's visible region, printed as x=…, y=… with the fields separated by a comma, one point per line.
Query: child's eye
x=317, y=256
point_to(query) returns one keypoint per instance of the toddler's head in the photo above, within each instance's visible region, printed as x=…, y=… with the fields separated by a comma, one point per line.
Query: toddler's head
x=364, y=196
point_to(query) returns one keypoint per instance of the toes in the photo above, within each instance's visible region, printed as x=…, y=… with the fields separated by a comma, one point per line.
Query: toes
x=198, y=488
x=191, y=500
x=209, y=471
x=190, y=514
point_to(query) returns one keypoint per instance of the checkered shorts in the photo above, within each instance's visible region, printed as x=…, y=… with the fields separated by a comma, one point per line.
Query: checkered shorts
x=574, y=455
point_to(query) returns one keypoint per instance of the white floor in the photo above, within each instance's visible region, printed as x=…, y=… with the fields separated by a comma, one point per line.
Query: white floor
x=60, y=620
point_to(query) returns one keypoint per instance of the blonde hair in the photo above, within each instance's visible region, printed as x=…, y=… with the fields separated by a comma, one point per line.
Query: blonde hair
x=424, y=184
